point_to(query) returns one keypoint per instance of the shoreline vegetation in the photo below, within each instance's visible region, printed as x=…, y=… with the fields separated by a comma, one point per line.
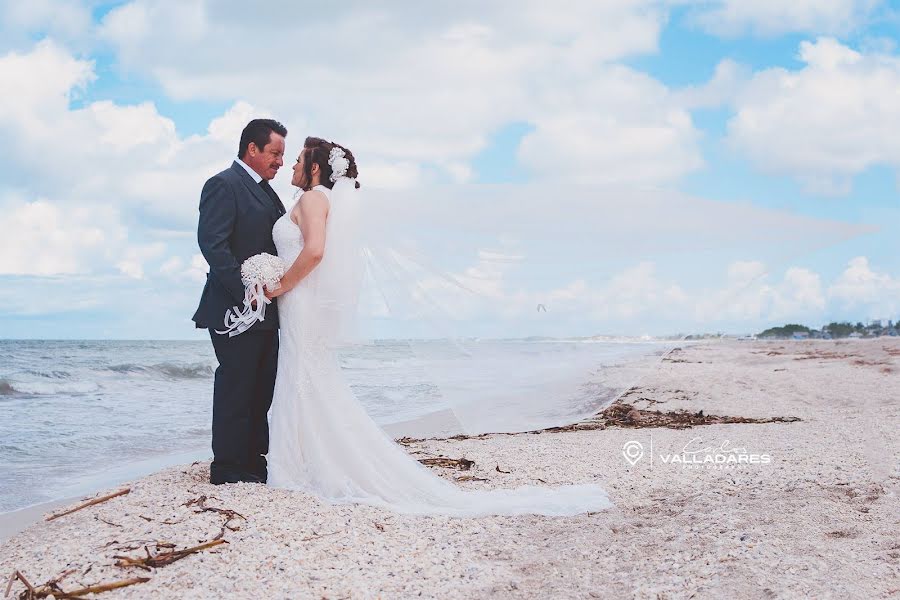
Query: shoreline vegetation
x=834, y=330
x=703, y=531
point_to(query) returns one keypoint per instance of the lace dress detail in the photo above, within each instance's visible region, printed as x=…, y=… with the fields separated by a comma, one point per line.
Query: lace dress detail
x=323, y=442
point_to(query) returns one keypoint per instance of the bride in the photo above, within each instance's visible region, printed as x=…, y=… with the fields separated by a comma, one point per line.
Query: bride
x=322, y=440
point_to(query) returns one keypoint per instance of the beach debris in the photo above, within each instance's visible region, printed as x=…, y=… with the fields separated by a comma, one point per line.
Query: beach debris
x=634, y=416
x=160, y=559
x=12, y=580
x=870, y=363
x=499, y=470
x=619, y=414
x=53, y=588
x=200, y=500
x=130, y=545
x=463, y=464
x=102, y=520
x=316, y=536
x=471, y=478
x=90, y=503
x=626, y=416
x=824, y=354
x=230, y=515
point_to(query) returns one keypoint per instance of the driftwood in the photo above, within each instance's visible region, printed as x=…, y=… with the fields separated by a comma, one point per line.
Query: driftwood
x=471, y=478
x=463, y=464
x=54, y=589
x=90, y=503
x=12, y=580
x=103, y=587
x=499, y=470
x=162, y=558
x=102, y=520
x=129, y=545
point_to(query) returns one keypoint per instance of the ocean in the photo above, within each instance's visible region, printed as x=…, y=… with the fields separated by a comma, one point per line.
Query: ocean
x=78, y=416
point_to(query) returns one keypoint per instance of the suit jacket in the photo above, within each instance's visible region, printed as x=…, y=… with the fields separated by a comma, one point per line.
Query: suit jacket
x=236, y=219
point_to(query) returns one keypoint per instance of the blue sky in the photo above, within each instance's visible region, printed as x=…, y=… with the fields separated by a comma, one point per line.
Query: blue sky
x=123, y=109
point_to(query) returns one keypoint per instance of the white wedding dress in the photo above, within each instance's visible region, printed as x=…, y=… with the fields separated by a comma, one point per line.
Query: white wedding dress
x=323, y=442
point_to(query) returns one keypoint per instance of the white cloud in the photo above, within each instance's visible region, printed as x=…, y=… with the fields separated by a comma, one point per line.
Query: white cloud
x=824, y=123
x=643, y=296
x=417, y=93
x=40, y=238
x=622, y=126
x=69, y=21
x=178, y=269
x=131, y=261
x=861, y=287
x=727, y=81
x=774, y=17
x=84, y=187
x=62, y=75
x=227, y=128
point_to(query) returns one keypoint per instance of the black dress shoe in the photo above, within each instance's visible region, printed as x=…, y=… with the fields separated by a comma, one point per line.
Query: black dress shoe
x=220, y=476
x=257, y=466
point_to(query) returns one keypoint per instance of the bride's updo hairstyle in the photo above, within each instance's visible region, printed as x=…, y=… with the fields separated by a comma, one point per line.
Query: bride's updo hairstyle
x=317, y=151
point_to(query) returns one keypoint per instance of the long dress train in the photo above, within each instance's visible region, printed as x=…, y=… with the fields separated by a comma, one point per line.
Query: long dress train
x=323, y=442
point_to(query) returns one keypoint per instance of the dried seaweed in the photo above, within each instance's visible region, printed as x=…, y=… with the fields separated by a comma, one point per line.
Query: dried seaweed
x=230, y=515
x=463, y=464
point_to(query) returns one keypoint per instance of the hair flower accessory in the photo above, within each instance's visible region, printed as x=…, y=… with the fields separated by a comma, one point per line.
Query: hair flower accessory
x=338, y=162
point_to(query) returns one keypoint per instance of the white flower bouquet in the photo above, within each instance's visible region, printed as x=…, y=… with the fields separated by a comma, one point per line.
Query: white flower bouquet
x=258, y=273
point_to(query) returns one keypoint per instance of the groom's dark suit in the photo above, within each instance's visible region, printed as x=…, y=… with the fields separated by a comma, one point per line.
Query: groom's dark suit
x=236, y=219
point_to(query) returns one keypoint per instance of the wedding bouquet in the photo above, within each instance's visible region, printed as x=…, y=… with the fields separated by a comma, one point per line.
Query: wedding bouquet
x=258, y=273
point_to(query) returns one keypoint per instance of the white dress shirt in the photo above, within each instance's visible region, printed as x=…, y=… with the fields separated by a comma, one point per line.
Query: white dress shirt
x=256, y=176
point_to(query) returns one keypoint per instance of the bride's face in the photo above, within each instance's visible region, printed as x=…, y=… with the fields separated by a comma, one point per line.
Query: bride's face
x=299, y=177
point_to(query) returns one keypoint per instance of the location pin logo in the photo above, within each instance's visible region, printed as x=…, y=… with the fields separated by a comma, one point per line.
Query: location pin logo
x=633, y=451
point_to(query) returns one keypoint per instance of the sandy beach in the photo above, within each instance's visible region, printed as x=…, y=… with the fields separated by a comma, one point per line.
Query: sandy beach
x=750, y=469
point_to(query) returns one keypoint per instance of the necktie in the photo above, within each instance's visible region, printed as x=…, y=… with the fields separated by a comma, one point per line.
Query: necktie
x=271, y=194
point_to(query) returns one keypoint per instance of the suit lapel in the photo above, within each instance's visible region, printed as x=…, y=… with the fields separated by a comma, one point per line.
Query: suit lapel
x=261, y=196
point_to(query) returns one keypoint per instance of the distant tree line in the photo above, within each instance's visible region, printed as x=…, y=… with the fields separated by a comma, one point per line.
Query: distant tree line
x=833, y=329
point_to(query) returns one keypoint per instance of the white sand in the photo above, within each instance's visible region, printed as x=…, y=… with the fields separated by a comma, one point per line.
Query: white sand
x=821, y=520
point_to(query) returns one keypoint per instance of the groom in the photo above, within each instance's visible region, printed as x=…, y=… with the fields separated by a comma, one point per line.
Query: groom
x=238, y=208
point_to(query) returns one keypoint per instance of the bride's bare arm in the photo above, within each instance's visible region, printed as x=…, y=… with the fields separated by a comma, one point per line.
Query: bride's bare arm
x=313, y=214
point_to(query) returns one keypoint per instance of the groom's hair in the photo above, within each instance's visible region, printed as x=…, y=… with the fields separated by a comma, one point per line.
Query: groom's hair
x=259, y=131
